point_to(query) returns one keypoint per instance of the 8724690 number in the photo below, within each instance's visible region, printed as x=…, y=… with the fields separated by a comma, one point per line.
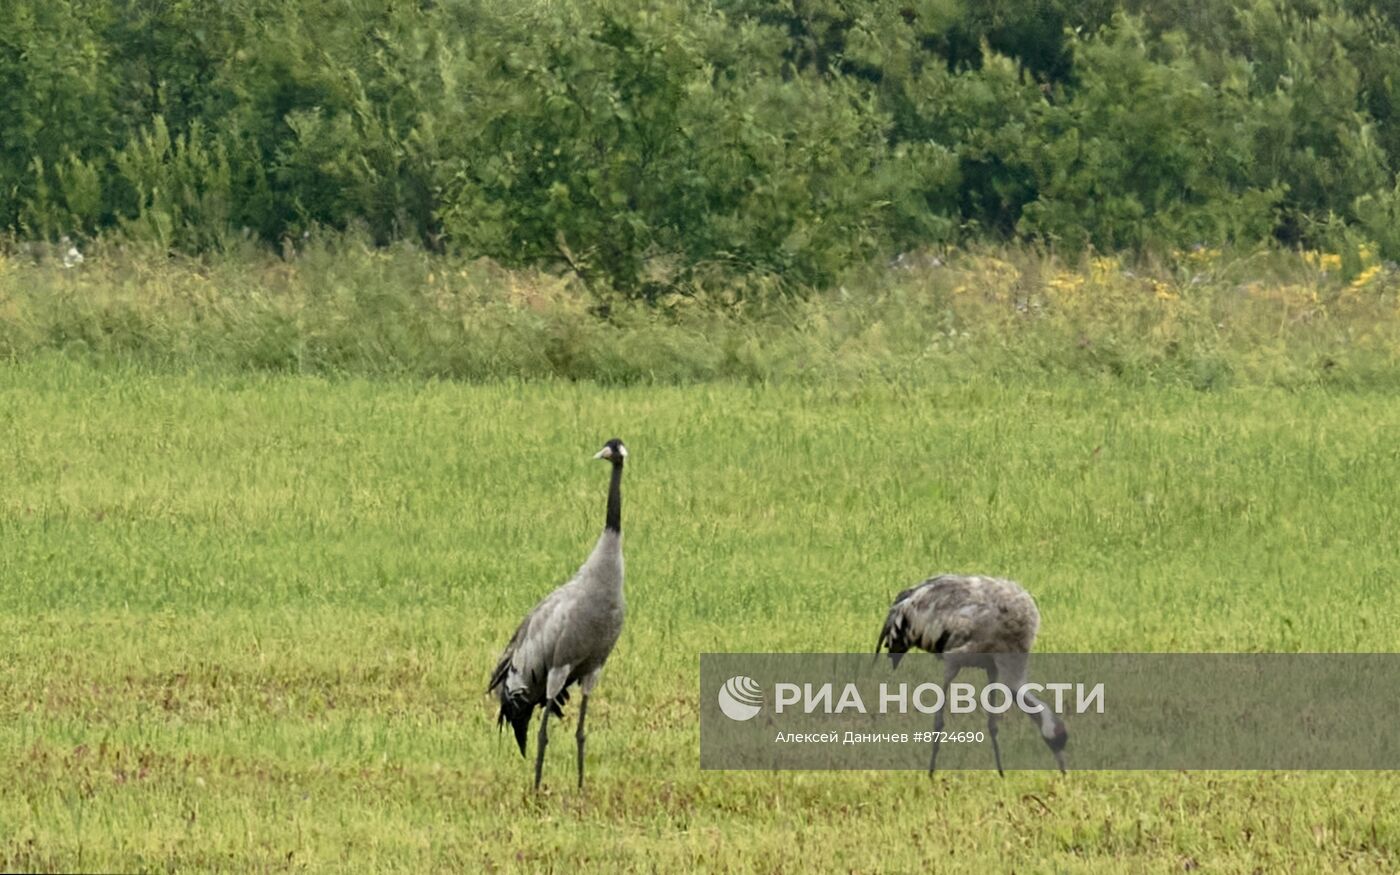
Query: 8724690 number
x=961, y=737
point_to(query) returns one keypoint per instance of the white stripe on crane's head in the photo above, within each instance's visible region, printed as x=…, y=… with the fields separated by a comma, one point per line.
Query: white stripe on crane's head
x=613, y=449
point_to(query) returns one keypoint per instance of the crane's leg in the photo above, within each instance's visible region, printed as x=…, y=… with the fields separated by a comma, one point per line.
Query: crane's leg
x=554, y=684
x=949, y=672
x=544, y=740
x=992, y=725
x=585, y=685
x=996, y=750
x=582, y=711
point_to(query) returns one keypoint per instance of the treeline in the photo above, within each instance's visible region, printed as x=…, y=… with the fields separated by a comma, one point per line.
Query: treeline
x=651, y=145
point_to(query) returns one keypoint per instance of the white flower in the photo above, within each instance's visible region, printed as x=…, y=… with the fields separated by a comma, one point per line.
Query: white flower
x=72, y=257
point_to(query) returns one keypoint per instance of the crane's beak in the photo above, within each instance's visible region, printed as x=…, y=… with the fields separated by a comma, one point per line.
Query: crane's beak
x=1060, y=760
x=604, y=453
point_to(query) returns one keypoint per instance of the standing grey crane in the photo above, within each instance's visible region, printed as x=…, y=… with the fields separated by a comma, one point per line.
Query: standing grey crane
x=974, y=622
x=567, y=637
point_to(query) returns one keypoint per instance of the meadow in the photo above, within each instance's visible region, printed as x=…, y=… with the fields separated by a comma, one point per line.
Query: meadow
x=312, y=314
x=250, y=614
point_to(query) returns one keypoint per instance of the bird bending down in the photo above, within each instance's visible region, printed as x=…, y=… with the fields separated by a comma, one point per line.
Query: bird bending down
x=974, y=622
x=567, y=637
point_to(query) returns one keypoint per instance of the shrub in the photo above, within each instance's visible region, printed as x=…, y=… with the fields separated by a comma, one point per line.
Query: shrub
x=663, y=147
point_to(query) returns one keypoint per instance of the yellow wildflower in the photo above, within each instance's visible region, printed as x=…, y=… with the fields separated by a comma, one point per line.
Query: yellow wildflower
x=1364, y=278
x=1104, y=265
x=1323, y=261
x=1064, y=281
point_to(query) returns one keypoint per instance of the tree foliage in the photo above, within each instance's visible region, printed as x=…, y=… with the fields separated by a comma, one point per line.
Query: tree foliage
x=647, y=145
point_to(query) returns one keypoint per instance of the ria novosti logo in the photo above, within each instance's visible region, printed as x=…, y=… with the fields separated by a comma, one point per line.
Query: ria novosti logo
x=740, y=698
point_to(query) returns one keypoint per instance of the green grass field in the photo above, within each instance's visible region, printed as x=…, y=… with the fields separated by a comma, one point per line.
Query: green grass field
x=249, y=619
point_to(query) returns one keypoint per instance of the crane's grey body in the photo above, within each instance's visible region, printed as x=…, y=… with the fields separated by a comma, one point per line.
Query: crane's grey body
x=568, y=636
x=570, y=633
x=973, y=622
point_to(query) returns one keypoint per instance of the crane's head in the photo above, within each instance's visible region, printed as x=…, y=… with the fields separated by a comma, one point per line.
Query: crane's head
x=613, y=451
x=1056, y=736
x=1052, y=728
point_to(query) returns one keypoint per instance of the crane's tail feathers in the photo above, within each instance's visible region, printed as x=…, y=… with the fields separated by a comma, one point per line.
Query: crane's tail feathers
x=516, y=711
x=498, y=675
x=885, y=642
x=887, y=630
x=892, y=634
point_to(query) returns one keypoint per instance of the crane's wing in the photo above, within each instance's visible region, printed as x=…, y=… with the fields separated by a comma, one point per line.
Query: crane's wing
x=520, y=678
x=894, y=633
x=942, y=614
x=525, y=661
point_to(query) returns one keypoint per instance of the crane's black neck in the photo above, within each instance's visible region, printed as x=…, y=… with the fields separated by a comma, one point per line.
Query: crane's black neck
x=614, y=523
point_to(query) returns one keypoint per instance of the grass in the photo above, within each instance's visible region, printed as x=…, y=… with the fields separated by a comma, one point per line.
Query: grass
x=336, y=307
x=250, y=615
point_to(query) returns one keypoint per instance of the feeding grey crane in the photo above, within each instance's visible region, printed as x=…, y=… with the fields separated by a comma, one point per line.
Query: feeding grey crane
x=566, y=638
x=974, y=622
